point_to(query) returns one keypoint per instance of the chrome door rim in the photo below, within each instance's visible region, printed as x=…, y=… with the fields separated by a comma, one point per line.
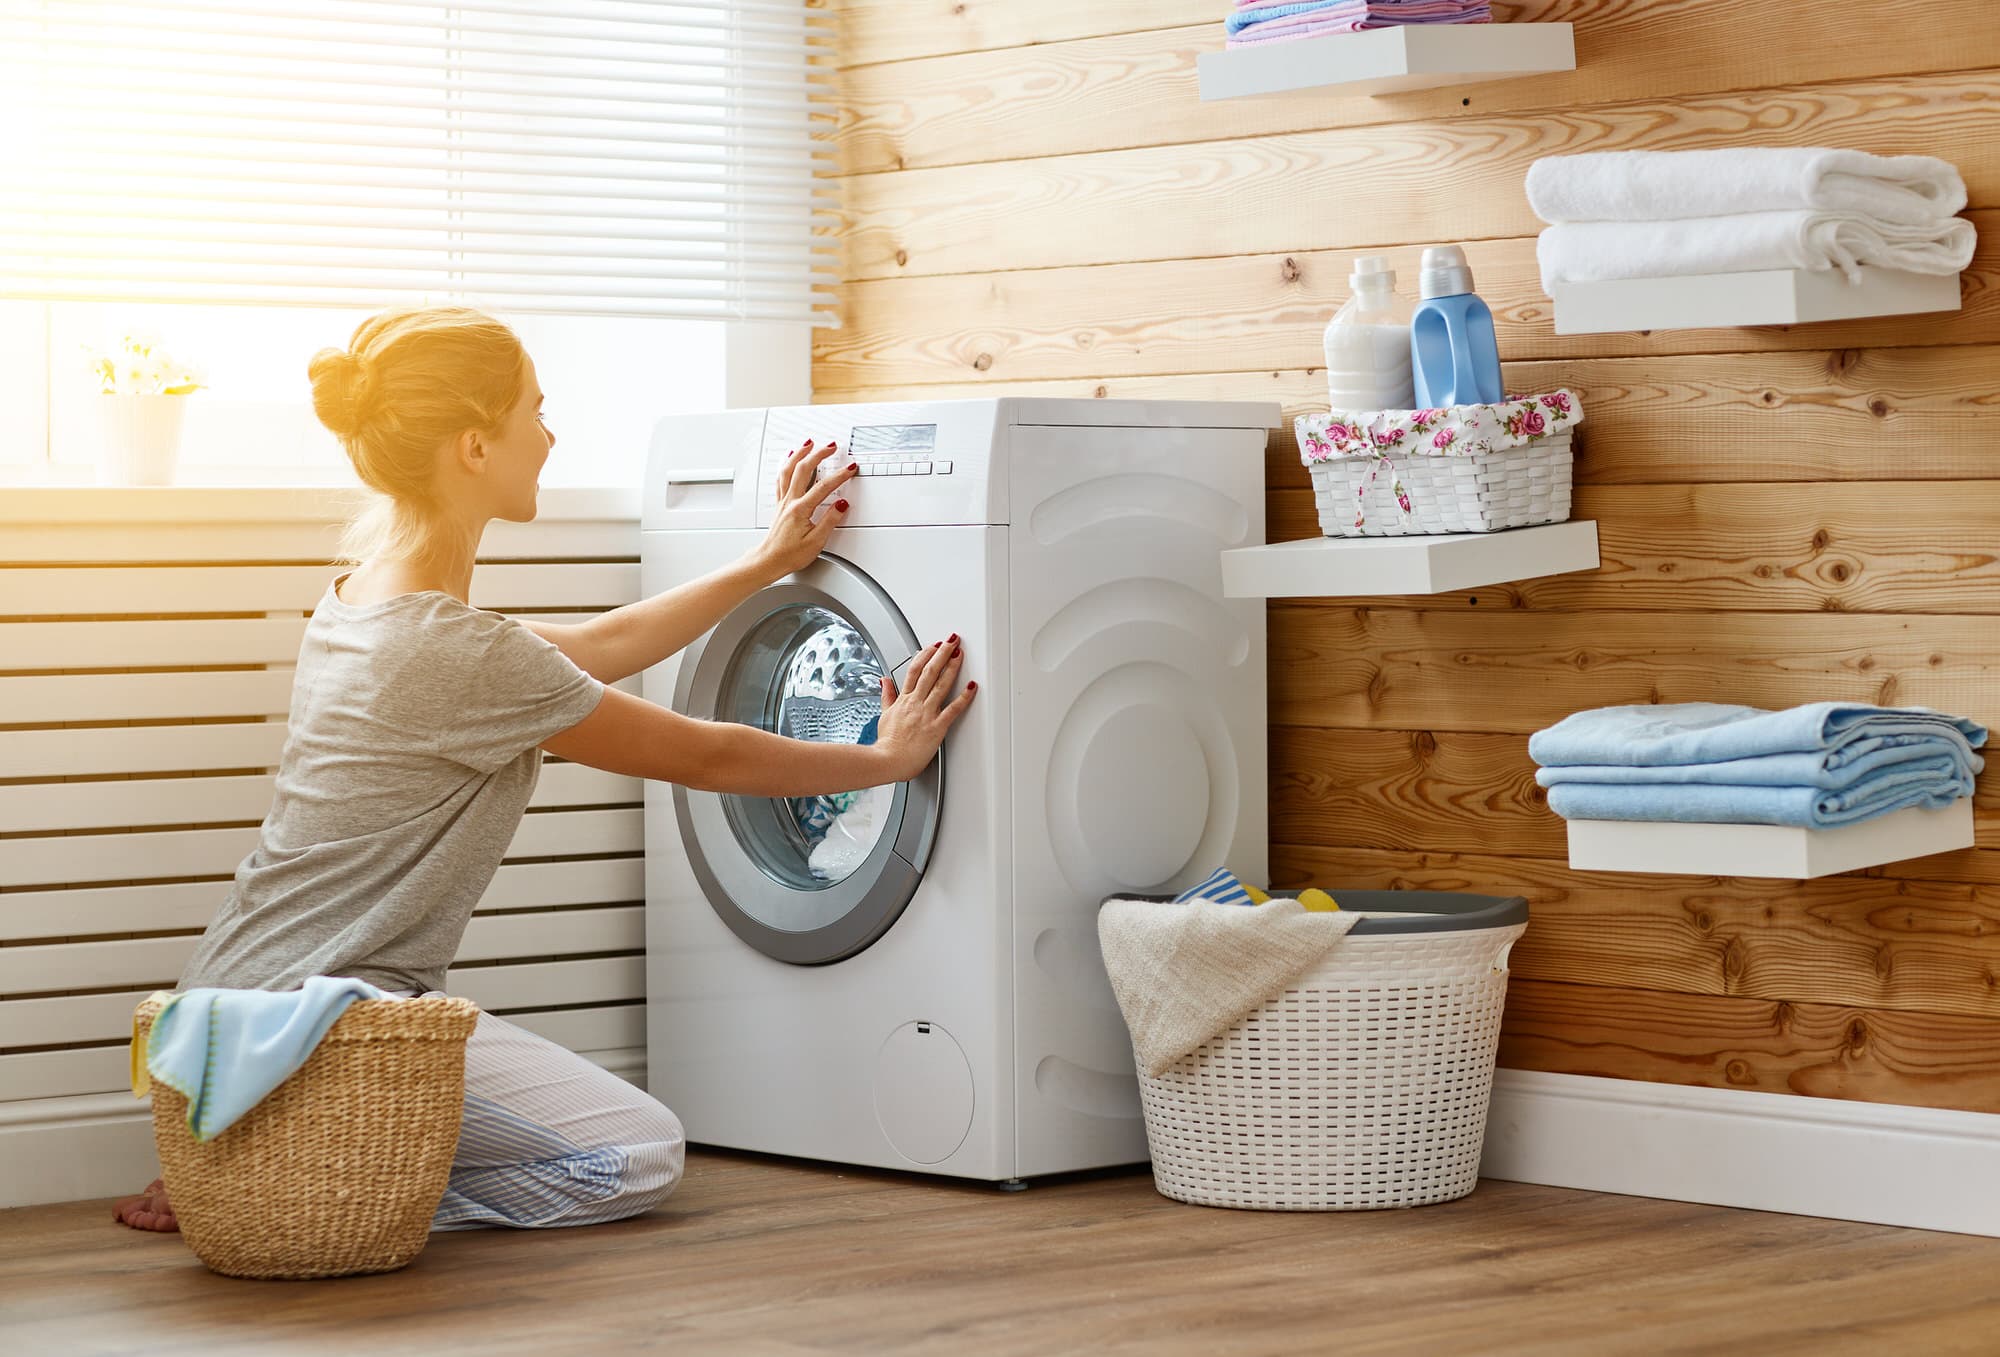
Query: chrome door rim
x=873, y=897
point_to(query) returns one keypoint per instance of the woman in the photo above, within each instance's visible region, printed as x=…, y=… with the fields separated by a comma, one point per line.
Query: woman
x=416, y=729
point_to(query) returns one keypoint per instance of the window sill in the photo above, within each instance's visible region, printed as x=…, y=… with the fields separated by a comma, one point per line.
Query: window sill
x=51, y=504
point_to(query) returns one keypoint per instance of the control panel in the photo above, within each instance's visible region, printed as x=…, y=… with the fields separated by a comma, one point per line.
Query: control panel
x=923, y=462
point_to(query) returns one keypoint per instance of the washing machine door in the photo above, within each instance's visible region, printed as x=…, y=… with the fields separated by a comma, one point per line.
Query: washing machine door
x=807, y=880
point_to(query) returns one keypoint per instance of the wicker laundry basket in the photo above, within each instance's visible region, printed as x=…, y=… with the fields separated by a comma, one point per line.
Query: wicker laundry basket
x=1511, y=488
x=1364, y=1084
x=341, y=1167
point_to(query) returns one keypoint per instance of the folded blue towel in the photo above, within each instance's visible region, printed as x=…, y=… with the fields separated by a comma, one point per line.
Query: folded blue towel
x=1802, y=807
x=225, y=1049
x=1709, y=732
x=1861, y=761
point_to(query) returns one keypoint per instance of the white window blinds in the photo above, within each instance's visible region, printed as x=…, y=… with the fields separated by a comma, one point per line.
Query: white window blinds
x=616, y=157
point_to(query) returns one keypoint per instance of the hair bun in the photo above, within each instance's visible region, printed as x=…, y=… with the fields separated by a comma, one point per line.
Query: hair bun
x=340, y=387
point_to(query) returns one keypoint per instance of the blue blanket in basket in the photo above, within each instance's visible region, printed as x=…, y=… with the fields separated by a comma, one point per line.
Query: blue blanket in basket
x=225, y=1049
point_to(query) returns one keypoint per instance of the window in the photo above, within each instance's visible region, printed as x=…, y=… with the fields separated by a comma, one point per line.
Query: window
x=619, y=179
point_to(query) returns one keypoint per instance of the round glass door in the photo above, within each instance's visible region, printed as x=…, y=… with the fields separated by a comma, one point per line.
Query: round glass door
x=807, y=879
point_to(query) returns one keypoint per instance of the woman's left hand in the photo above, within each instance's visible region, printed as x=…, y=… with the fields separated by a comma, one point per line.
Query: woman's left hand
x=796, y=539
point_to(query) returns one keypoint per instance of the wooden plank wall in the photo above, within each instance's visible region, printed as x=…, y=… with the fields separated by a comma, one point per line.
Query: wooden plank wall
x=1038, y=202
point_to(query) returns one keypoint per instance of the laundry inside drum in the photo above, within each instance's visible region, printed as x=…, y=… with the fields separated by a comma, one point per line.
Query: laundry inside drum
x=810, y=674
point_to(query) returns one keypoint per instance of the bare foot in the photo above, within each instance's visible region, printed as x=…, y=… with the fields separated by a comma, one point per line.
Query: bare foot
x=150, y=1210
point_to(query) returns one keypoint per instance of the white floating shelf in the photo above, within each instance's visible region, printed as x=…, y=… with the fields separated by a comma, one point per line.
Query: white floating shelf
x=1765, y=297
x=1326, y=567
x=1388, y=60
x=1766, y=850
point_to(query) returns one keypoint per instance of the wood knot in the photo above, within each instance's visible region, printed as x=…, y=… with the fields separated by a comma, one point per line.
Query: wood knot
x=1290, y=270
x=1821, y=539
x=1101, y=392
x=982, y=362
x=1738, y=1072
x=902, y=257
x=1770, y=398
x=1839, y=571
x=1879, y=407
x=1424, y=743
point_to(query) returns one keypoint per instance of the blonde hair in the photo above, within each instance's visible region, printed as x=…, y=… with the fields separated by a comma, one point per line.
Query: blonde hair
x=408, y=380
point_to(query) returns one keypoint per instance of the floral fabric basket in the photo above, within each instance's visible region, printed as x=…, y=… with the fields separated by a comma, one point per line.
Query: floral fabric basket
x=1466, y=468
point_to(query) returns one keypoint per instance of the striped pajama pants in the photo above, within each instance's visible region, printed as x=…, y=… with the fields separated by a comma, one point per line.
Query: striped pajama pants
x=548, y=1138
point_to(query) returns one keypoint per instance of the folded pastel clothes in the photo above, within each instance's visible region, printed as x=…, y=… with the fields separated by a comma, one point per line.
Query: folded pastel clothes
x=1595, y=252
x=1800, y=807
x=1908, y=190
x=226, y=1049
x=1184, y=973
x=1271, y=20
x=1710, y=732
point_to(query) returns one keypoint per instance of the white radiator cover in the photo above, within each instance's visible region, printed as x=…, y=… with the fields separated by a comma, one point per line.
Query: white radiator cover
x=147, y=639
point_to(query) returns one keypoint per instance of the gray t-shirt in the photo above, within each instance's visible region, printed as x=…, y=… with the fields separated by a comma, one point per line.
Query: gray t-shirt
x=414, y=747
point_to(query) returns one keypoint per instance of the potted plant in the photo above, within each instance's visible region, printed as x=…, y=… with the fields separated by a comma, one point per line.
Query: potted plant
x=143, y=392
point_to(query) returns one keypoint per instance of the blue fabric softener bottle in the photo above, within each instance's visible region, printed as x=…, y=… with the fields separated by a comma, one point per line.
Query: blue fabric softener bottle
x=1453, y=354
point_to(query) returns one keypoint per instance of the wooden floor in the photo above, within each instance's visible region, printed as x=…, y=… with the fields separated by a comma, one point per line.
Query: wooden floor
x=776, y=1259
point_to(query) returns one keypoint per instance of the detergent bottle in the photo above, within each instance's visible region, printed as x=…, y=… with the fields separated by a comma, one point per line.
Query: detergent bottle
x=1454, y=357
x=1368, y=343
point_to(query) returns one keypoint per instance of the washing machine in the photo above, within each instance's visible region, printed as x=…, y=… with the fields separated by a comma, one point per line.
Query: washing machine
x=909, y=977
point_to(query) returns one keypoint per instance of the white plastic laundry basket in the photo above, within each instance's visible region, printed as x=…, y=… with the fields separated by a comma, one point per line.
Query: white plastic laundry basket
x=1364, y=1084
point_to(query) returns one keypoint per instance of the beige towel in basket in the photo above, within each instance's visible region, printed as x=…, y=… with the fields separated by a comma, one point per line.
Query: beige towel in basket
x=1184, y=973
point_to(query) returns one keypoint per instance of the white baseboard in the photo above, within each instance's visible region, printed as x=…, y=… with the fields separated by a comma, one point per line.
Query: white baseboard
x=1915, y=1166
x=101, y=1144
x=75, y=1149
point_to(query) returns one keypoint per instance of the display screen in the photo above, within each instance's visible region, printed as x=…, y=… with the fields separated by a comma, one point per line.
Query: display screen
x=893, y=438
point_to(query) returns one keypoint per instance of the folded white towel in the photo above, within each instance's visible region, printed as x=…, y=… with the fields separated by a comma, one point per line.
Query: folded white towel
x=1183, y=973
x=1906, y=190
x=1596, y=251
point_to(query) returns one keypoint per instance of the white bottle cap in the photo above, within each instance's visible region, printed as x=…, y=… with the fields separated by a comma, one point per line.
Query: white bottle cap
x=1371, y=271
x=1444, y=272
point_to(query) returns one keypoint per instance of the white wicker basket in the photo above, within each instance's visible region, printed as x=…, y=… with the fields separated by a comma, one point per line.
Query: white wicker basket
x=1364, y=1085
x=1512, y=488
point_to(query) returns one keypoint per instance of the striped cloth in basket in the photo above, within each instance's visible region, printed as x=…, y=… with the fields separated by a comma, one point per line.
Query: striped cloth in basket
x=1467, y=468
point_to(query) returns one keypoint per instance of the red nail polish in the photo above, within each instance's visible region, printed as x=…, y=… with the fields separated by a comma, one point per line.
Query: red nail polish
x=971, y=687
x=952, y=637
x=854, y=466
x=841, y=505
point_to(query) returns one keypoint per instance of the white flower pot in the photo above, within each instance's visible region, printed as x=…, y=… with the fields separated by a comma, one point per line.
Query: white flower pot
x=141, y=439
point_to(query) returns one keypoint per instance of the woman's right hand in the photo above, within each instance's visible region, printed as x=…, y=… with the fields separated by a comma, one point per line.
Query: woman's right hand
x=914, y=720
